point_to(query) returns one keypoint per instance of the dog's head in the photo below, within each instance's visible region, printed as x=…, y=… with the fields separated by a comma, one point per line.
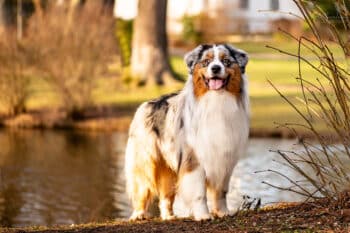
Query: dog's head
x=216, y=68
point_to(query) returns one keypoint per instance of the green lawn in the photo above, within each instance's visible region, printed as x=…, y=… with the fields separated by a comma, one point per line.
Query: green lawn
x=266, y=105
x=288, y=46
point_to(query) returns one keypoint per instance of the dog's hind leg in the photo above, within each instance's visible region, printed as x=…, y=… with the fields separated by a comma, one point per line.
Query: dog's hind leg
x=166, y=198
x=139, y=178
x=166, y=186
x=141, y=198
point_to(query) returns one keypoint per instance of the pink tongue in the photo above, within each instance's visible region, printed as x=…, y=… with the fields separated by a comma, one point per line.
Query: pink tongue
x=215, y=84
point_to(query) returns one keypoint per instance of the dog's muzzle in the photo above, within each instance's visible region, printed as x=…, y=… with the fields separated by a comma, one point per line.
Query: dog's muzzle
x=216, y=83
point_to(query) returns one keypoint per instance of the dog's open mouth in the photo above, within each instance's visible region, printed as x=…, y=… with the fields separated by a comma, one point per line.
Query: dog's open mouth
x=216, y=83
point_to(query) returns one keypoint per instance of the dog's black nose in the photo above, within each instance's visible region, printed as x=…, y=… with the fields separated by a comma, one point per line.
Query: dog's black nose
x=216, y=69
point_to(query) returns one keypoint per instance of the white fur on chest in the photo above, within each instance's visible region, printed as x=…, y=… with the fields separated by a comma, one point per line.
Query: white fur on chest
x=218, y=133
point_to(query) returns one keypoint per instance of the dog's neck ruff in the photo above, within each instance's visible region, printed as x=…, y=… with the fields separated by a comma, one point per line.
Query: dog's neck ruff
x=217, y=127
x=214, y=104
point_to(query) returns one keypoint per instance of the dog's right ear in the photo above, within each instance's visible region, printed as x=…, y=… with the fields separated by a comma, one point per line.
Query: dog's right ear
x=191, y=58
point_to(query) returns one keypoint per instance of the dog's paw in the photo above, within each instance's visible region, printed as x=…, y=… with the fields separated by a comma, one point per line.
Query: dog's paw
x=200, y=210
x=138, y=215
x=221, y=213
x=167, y=217
x=203, y=217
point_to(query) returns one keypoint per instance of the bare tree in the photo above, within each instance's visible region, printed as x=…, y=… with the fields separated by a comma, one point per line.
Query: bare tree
x=14, y=75
x=149, y=59
x=38, y=8
x=72, y=48
x=324, y=106
x=19, y=19
x=2, y=18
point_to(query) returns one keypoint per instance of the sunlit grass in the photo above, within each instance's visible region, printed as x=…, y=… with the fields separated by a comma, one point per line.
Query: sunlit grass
x=132, y=95
x=42, y=95
x=253, y=47
x=266, y=106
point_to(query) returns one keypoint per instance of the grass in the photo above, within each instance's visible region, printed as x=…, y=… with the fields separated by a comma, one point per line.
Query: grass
x=291, y=46
x=266, y=106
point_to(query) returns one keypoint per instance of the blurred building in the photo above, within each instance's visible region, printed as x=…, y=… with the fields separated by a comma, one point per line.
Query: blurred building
x=224, y=17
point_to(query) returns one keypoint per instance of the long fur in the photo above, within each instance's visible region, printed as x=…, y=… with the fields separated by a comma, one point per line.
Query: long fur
x=186, y=144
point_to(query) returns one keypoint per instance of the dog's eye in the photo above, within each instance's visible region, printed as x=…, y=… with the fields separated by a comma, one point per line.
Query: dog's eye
x=205, y=62
x=226, y=62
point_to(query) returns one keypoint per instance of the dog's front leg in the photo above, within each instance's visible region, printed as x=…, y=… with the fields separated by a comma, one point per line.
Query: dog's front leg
x=193, y=191
x=218, y=197
x=192, y=187
x=217, y=192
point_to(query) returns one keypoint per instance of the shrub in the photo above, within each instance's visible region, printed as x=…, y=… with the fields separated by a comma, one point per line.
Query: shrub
x=124, y=35
x=325, y=161
x=72, y=48
x=14, y=75
x=189, y=32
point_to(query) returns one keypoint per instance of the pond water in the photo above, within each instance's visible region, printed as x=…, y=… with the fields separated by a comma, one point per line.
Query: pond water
x=52, y=177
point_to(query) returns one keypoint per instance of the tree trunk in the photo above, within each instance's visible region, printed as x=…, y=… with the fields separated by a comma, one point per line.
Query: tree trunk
x=38, y=8
x=149, y=59
x=2, y=16
x=19, y=19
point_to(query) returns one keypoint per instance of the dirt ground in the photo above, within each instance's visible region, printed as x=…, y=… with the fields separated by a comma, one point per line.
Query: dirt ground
x=324, y=215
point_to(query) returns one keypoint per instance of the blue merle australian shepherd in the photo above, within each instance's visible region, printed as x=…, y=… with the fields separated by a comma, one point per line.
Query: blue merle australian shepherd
x=187, y=144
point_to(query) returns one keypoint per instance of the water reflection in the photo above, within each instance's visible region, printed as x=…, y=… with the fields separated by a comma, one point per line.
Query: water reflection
x=63, y=177
x=50, y=178
x=245, y=180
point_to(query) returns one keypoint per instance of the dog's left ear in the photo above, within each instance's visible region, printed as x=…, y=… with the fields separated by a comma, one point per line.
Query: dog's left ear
x=240, y=56
x=191, y=58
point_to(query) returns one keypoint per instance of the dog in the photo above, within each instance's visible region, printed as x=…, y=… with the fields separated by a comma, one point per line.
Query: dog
x=188, y=143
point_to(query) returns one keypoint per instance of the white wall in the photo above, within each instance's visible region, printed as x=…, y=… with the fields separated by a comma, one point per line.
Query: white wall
x=125, y=9
x=258, y=15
